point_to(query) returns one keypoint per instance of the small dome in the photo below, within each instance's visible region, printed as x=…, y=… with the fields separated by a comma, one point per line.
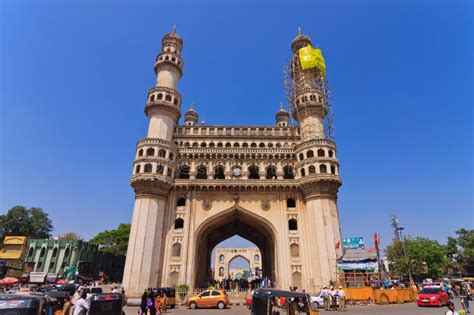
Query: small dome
x=300, y=41
x=191, y=116
x=282, y=115
x=173, y=37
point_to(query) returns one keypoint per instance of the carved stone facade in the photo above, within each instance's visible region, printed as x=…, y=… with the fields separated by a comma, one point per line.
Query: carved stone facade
x=197, y=185
x=224, y=257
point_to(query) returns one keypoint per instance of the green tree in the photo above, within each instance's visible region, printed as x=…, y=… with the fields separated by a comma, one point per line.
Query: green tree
x=461, y=251
x=426, y=258
x=33, y=223
x=70, y=236
x=113, y=241
x=246, y=274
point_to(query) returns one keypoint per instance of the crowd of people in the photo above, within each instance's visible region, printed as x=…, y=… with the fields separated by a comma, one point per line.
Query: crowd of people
x=234, y=284
x=153, y=303
x=333, y=299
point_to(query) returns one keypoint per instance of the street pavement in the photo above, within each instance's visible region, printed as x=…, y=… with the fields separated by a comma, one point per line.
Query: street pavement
x=408, y=308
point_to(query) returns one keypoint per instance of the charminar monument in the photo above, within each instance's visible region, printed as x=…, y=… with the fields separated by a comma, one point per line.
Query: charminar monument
x=197, y=185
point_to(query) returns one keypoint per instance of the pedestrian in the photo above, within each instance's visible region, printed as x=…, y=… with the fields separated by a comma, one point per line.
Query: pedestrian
x=143, y=304
x=124, y=298
x=164, y=305
x=451, y=309
x=115, y=290
x=151, y=302
x=342, y=299
x=158, y=305
x=67, y=305
x=333, y=295
x=325, y=295
x=81, y=307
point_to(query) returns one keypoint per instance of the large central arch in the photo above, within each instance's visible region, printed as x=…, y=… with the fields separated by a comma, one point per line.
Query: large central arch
x=234, y=221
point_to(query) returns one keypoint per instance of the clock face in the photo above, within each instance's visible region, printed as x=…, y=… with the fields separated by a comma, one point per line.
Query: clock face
x=236, y=171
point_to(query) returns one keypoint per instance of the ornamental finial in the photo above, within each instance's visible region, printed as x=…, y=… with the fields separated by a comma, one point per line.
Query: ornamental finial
x=174, y=28
x=192, y=105
x=299, y=30
x=281, y=105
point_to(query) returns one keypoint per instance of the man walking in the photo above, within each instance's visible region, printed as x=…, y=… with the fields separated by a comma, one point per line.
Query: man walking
x=325, y=295
x=342, y=299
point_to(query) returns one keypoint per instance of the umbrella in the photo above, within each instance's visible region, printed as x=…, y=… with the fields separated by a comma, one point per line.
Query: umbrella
x=9, y=280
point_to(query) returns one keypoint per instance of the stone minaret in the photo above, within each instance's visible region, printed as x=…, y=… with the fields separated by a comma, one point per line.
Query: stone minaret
x=154, y=169
x=318, y=166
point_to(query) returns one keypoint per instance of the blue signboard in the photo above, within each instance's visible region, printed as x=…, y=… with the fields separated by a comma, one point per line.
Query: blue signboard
x=353, y=243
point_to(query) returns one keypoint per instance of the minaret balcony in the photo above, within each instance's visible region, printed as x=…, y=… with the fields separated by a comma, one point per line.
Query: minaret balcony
x=168, y=59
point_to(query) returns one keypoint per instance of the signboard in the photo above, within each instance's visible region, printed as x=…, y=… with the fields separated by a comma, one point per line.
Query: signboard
x=353, y=243
x=369, y=266
x=37, y=277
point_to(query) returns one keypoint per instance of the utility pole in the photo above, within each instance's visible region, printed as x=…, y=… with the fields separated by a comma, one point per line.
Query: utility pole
x=397, y=231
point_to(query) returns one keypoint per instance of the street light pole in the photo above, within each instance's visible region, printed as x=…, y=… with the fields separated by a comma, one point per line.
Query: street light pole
x=397, y=230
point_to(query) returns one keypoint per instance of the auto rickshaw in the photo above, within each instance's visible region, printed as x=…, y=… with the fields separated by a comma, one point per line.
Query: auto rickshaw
x=170, y=296
x=22, y=304
x=105, y=304
x=272, y=302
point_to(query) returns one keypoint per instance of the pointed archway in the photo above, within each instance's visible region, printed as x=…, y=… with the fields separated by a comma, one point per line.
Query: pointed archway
x=235, y=221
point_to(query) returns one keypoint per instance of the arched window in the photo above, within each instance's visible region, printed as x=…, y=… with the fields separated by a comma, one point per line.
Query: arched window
x=169, y=172
x=30, y=252
x=174, y=278
x=221, y=271
x=236, y=145
x=323, y=168
x=296, y=279
x=203, y=144
x=303, y=172
x=253, y=172
x=176, y=250
x=171, y=156
x=245, y=145
x=152, y=97
x=256, y=258
x=228, y=145
x=184, y=172
x=195, y=145
x=178, y=223
x=212, y=145
x=187, y=144
x=168, y=98
x=292, y=225
x=309, y=154
x=219, y=172
x=271, y=172
x=295, y=250
x=221, y=258
x=159, y=169
x=140, y=152
x=175, y=101
x=288, y=172
x=290, y=203
x=311, y=169
x=148, y=168
x=43, y=251
x=201, y=172
x=66, y=253
x=55, y=252
x=261, y=145
x=321, y=153
x=333, y=169
x=220, y=145
x=301, y=157
x=253, y=145
x=181, y=202
x=160, y=96
x=161, y=153
x=331, y=153
x=137, y=169
x=150, y=152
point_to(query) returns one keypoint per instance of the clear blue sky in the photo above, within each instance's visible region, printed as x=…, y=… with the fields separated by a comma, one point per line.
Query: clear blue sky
x=75, y=74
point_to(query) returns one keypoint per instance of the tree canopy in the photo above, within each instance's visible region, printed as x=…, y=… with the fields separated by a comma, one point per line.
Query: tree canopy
x=460, y=250
x=426, y=258
x=113, y=241
x=20, y=221
x=70, y=236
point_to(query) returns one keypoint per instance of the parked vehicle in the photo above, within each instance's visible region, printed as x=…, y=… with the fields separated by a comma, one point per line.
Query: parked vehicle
x=106, y=304
x=209, y=299
x=317, y=300
x=432, y=296
x=265, y=301
x=170, y=296
x=23, y=304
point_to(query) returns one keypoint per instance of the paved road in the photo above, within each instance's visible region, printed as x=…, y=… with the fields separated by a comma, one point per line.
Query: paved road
x=408, y=309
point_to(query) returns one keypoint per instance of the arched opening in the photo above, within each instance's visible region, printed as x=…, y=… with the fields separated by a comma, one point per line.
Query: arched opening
x=333, y=169
x=221, y=258
x=309, y=154
x=331, y=153
x=137, y=169
x=201, y=172
x=219, y=172
x=253, y=172
x=303, y=172
x=30, y=252
x=140, y=152
x=292, y=225
x=290, y=203
x=181, y=202
x=220, y=145
x=301, y=157
x=321, y=153
x=152, y=97
x=161, y=153
x=236, y=145
x=176, y=250
x=261, y=145
x=271, y=172
x=221, y=272
x=288, y=172
x=174, y=278
x=311, y=169
x=178, y=223
x=253, y=145
x=150, y=152
x=245, y=145
x=295, y=250
x=66, y=253
x=228, y=145
x=234, y=223
x=212, y=145
x=159, y=97
x=148, y=168
x=256, y=258
x=171, y=156
x=239, y=268
x=43, y=251
x=323, y=168
x=184, y=171
x=296, y=279
x=55, y=252
x=203, y=144
x=159, y=169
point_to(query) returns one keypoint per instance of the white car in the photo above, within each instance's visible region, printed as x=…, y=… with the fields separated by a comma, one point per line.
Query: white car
x=317, y=300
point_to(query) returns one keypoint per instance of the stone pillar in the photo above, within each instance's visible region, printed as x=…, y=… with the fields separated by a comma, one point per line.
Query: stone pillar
x=145, y=245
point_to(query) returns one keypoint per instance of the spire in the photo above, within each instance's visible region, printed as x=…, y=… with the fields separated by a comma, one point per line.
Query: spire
x=281, y=105
x=174, y=28
x=192, y=106
x=299, y=30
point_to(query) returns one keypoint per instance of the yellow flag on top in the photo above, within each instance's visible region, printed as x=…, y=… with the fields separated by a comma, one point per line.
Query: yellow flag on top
x=312, y=57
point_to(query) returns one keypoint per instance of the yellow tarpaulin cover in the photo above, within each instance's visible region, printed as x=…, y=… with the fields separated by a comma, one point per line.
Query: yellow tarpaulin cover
x=312, y=57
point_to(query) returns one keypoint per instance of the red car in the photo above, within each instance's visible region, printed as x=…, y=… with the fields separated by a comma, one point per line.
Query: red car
x=432, y=296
